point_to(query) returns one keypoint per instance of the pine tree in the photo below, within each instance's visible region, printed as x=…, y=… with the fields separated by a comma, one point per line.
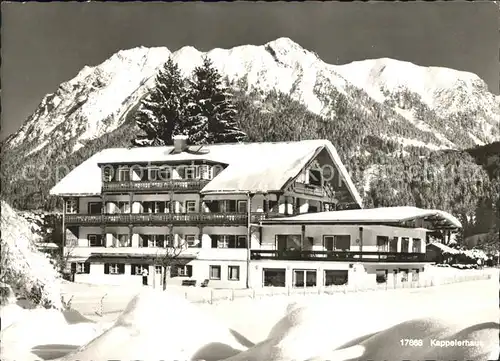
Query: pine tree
x=212, y=112
x=161, y=114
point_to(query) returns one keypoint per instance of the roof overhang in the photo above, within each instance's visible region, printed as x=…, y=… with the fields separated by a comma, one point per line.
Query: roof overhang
x=397, y=216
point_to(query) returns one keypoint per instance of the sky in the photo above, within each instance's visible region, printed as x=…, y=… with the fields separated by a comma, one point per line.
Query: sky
x=45, y=44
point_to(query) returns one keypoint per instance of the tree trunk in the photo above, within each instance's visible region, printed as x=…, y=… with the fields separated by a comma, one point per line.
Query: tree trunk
x=164, y=276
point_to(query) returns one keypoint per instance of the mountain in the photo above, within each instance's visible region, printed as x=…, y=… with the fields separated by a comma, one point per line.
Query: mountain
x=374, y=111
x=97, y=100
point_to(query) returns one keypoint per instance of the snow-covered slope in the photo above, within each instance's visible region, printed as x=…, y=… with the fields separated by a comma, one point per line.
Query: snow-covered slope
x=98, y=99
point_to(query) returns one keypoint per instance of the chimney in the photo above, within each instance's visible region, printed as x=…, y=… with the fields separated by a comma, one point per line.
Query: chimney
x=180, y=143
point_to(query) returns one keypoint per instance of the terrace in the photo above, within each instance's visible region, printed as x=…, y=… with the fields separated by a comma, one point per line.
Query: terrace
x=340, y=256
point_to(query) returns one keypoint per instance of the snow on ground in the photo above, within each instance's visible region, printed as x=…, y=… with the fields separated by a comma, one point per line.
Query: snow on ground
x=163, y=325
x=160, y=326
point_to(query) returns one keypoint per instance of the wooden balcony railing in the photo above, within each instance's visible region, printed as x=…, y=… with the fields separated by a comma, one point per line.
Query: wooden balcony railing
x=176, y=185
x=346, y=256
x=164, y=219
x=309, y=189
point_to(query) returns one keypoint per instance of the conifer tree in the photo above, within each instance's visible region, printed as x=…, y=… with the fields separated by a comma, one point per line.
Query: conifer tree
x=212, y=113
x=161, y=113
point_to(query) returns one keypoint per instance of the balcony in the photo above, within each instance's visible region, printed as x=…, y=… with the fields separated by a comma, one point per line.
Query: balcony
x=160, y=219
x=308, y=189
x=346, y=256
x=174, y=185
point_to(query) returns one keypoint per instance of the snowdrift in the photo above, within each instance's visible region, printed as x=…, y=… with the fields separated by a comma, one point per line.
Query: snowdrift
x=23, y=266
x=315, y=332
x=41, y=333
x=160, y=326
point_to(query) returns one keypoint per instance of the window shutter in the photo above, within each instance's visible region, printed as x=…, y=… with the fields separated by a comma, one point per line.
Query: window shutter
x=106, y=268
x=215, y=238
x=189, y=270
x=132, y=269
x=73, y=267
x=121, y=268
x=86, y=266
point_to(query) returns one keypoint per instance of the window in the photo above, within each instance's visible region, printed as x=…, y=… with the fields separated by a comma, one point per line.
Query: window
x=205, y=171
x=233, y=273
x=227, y=206
x=416, y=245
x=71, y=206
x=190, y=206
x=215, y=272
x=139, y=269
x=122, y=240
x=95, y=207
x=107, y=173
x=381, y=275
x=124, y=207
x=123, y=174
x=228, y=241
x=341, y=242
x=114, y=268
x=154, y=240
x=336, y=277
x=288, y=242
x=304, y=278
x=405, y=244
x=158, y=270
x=164, y=173
x=315, y=177
x=95, y=240
x=190, y=240
x=80, y=267
x=242, y=207
x=382, y=244
x=189, y=173
x=274, y=277
x=393, y=244
x=181, y=271
x=156, y=207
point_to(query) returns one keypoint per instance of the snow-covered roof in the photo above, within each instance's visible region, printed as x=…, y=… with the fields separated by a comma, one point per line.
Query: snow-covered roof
x=373, y=215
x=444, y=248
x=252, y=167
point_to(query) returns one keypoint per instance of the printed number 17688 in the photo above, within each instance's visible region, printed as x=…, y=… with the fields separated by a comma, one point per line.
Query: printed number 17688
x=411, y=342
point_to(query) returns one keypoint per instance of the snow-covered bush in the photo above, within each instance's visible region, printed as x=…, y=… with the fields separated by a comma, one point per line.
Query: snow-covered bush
x=23, y=267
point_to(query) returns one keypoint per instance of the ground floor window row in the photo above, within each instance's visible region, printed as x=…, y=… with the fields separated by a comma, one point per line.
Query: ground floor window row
x=401, y=275
x=215, y=271
x=276, y=277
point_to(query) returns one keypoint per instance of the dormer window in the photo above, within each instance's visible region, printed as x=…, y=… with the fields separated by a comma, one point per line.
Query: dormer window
x=315, y=177
x=71, y=206
x=205, y=172
x=189, y=173
x=123, y=174
x=107, y=173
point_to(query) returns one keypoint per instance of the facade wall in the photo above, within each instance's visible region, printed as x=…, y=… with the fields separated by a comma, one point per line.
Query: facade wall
x=200, y=272
x=317, y=232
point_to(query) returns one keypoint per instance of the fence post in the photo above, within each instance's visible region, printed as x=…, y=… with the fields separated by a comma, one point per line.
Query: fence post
x=211, y=296
x=69, y=302
x=253, y=293
x=101, y=306
x=186, y=295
